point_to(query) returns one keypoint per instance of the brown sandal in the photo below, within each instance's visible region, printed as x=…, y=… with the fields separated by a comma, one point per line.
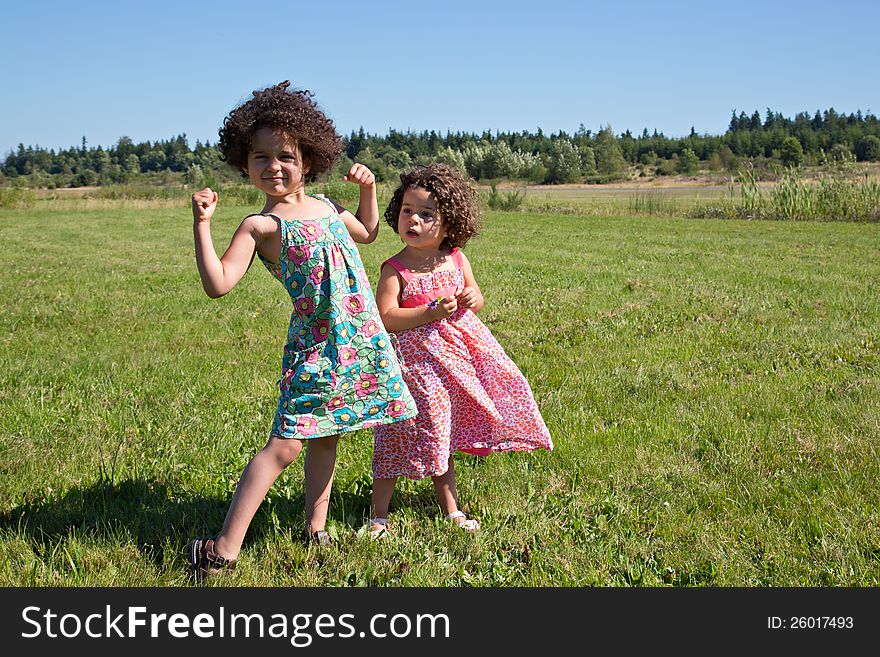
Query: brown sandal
x=203, y=561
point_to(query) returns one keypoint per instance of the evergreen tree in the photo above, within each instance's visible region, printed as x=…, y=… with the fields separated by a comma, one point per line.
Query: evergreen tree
x=609, y=158
x=791, y=153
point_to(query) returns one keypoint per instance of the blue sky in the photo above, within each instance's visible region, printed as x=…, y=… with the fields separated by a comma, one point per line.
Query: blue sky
x=153, y=70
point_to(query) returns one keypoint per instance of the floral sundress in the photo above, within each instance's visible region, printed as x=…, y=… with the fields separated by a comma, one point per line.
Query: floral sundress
x=339, y=371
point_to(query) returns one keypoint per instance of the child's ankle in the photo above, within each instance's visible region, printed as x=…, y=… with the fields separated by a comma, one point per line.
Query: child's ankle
x=223, y=549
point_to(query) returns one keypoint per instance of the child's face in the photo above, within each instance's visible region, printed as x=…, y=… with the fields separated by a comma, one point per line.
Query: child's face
x=275, y=164
x=419, y=224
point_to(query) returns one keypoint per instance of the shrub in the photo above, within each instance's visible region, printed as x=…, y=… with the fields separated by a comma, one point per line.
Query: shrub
x=16, y=198
x=791, y=153
x=868, y=149
x=688, y=163
x=667, y=167
x=565, y=162
x=507, y=201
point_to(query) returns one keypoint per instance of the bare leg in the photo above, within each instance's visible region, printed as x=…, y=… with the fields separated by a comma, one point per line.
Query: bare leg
x=383, y=489
x=444, y=486
x=319, y=467
x=256, y=480
x=446, y=495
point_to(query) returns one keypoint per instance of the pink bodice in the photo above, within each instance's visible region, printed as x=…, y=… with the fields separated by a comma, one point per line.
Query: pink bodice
x=421, y=289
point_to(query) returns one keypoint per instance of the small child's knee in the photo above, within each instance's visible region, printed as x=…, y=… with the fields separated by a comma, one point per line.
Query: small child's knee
x=285, y=450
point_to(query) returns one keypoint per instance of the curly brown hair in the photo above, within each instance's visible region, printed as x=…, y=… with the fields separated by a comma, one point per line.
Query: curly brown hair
x=455, y=197
x=292, y=112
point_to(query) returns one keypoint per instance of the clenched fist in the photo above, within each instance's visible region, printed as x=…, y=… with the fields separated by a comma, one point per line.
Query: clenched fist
x=204, y=202
x=361, y=175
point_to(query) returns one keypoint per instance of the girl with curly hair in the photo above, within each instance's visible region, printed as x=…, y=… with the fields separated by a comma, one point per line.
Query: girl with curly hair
x=339, y=371
x=470, y=395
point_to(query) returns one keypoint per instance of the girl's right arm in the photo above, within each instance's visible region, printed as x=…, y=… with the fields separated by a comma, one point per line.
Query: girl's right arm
x=396, y=318
x=220, y=275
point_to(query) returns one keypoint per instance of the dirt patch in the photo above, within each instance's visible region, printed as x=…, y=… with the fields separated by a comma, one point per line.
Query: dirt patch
x=66, y=192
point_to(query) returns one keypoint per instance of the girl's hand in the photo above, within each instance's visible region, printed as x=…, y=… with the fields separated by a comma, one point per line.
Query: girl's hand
x=204, y=202
x=361, y=175
x=468, y=297
x=444, y=308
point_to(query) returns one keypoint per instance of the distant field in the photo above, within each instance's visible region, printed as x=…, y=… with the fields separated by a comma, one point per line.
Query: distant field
x=712, y=388
x=625, y=190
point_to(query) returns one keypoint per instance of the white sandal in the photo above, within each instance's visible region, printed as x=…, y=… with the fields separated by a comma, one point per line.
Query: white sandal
x=378, y=528
x=468, y=524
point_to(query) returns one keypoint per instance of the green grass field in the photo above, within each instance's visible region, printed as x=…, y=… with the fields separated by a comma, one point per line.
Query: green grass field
x=711, y=387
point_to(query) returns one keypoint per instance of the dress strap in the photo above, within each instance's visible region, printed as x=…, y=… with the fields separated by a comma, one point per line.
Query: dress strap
x=456, y=258
x=403, y=271
x=325, y=199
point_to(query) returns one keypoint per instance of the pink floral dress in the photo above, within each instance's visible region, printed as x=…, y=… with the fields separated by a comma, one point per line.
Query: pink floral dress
x=471, y=397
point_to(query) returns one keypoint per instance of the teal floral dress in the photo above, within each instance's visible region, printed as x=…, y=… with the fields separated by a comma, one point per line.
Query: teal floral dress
x=339, y=371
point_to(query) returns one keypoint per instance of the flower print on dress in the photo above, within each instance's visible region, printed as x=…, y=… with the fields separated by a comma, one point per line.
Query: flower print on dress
x=307, y=403
x=384, y=362
x=319, y=274
x=395, y=386
x=347, y=355
x=353, y=281
x=295, y=281
x=345, y=416
x=396, y=408
x=323, y=273
x=344, y=332
x=367, y=385
x=305, y=376
x=355, y=304
x=307, y=425
x=380, y=341
x=374, y=409
x=336, y=403
x=298, y=254
x=321, y=330
x=336, y=258
x=311, y=230
x=304, y=306
x=339, y=230
x=370, y=328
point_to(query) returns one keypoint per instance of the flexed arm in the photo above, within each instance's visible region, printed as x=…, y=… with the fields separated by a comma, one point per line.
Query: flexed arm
x=364, y=224
x=220, y=275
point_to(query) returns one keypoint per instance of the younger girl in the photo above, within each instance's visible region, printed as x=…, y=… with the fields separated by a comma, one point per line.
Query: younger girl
x=339, y=371
x=471, y=397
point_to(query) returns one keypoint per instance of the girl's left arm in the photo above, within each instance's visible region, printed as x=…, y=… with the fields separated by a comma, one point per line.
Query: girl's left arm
x=363, y=226
x=470, y=296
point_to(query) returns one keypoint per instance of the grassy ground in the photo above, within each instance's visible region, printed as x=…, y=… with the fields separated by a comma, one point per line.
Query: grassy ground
x=711, y=386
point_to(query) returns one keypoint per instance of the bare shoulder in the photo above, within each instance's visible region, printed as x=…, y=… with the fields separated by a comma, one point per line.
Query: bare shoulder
x=260, y=225
x=332, y=201
x=388, y=274
x=388, y=287
x=387, y=270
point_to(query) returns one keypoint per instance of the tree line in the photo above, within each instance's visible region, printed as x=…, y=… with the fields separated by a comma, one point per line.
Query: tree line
x=582, y=156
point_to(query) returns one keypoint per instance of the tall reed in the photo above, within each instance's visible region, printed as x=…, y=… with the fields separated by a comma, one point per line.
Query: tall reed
x=838, y=193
